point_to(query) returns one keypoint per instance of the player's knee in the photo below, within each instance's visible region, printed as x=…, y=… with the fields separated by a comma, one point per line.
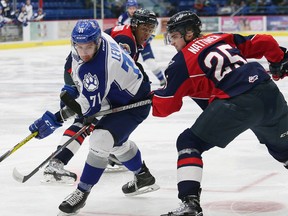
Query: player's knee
x=280, y=155
x=96, y=160
x=187, y=140
x=101, y=143
x=126, y=151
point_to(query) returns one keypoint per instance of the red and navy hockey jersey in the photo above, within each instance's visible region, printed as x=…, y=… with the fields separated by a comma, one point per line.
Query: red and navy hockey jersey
x=215, y=66
x=123, y=35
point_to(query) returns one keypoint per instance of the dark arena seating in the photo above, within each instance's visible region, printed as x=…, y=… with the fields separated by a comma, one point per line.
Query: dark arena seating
x=83, y=9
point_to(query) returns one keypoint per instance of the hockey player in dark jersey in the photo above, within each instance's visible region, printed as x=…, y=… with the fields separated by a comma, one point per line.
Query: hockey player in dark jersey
x=106, y=77
x=240, y=95
x=131, y=38
x=146, y=53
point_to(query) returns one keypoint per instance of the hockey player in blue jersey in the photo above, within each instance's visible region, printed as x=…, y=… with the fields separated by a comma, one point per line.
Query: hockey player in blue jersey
x=147, y=53
x=131, y=7
x=106, y=77
x=129, y=37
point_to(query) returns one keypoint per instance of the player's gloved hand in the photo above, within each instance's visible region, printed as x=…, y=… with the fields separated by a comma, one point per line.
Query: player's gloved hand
x=279, y=69
x=89, y=120
x=45, y=125
x=71, y=90
x=92, y=122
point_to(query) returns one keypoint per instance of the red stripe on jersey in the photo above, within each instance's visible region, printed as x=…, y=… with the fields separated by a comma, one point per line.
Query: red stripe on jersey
x=190, y=161
x=71, y=133
x=69, y=70
x=261, y=45
x=163, y=106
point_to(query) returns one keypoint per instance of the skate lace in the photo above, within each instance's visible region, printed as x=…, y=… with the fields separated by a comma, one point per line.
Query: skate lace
x=55, y=165
x=58, y=167
x=132, y=183
x=75, y=197
x=183, y=206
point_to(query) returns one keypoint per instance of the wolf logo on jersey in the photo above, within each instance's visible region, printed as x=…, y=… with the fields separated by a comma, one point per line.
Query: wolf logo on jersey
x=91, y=83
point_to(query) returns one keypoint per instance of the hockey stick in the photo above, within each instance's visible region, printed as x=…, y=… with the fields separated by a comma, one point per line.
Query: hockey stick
x=65, y=113
x=12, y=150
x=23, y=178
x=73, y=105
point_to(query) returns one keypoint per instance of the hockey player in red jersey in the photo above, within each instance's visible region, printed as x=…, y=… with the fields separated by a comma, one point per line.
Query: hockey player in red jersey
x=146, y=52
x=236, y=95
x=134, y=36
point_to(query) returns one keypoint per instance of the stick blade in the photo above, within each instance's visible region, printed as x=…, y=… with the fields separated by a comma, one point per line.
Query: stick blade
x=5, y=156
x=18, y=176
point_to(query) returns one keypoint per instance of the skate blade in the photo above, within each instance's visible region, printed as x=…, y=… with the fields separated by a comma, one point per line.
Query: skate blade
x=147, y=189
x=115, y=169
x=60, y=213
x=185, y=214
x=64, y=180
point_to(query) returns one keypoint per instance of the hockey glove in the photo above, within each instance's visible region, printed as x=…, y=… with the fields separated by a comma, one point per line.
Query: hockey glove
x=45, y=125
x=279, y=70
x=92, y=122
x=72, y=91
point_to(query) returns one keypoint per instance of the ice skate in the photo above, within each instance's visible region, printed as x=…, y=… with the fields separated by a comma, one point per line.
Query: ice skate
x=54, y=172
x=190, y=206
x=114, y=165
x=143, y=182
x=73, y=203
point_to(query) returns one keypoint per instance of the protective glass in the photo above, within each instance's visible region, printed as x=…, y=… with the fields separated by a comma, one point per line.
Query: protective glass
x=171, y=37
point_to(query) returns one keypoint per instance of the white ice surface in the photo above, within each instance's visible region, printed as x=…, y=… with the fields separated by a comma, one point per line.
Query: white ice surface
x=242, y=179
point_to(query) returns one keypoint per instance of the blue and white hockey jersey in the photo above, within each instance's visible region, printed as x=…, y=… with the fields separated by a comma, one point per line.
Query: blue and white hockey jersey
x=124, y=19
x=111, y=79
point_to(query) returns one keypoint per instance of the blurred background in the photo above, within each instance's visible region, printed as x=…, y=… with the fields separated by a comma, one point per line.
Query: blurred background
x=51, y=21
x=79, y=9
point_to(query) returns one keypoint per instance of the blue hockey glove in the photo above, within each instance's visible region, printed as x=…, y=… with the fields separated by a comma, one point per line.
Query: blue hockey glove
x=45, y=125
x=72, y=91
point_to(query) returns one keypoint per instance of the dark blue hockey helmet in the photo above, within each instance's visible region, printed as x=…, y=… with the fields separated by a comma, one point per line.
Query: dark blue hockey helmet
x=144, y=16
x=86, y=31
x=131, y=3
x=183, y=21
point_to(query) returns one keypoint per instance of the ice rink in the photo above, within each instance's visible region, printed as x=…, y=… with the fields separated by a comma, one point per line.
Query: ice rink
x=242, y=179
